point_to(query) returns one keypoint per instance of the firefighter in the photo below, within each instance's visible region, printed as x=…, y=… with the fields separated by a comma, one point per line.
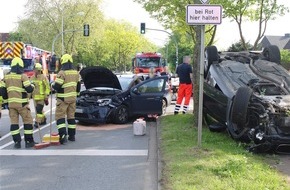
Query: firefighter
x=67, y=86
x=15, y=91
x=40, y=94
x=1, y=98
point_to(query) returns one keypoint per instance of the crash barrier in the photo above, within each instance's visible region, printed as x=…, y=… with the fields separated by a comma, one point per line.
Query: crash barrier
x=139, y=127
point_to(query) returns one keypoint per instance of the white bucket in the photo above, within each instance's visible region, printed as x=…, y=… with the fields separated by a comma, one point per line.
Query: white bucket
x=139, y=127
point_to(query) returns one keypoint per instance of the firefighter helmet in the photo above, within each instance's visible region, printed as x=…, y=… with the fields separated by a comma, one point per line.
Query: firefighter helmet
x=38, y=66
x=66, y=58
x=17, y=61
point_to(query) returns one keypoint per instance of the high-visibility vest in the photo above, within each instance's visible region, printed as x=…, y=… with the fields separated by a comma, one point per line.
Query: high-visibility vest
x=41, y=89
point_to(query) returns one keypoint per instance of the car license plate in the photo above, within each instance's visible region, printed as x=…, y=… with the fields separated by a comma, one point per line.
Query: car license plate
x=79, y=110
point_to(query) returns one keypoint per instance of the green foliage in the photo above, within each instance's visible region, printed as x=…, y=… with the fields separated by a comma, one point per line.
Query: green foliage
x=15, y=36
x=220, y=163
x=252, y=10
x=285, y=58
x=238, y=46
x=111, y=43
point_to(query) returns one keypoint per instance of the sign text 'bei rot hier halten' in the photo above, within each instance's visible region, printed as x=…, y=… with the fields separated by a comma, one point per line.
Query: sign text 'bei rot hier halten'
x=203, y=14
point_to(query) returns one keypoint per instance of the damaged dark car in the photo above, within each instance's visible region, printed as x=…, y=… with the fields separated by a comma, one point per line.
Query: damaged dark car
x=248, y=94
x=108, y=98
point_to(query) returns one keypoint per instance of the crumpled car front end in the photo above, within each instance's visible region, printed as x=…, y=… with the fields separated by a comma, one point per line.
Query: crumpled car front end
x=271, y=117
x=93, y=107
x=99, y=98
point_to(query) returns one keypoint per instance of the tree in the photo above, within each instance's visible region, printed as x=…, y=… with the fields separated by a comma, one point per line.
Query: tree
x=43, y=21
x=260, y=11
x=239, y=46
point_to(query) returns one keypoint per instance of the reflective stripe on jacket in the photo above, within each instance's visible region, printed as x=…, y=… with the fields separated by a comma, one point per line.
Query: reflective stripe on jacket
x=68, y=80
x=17, y=87
x=41, y=89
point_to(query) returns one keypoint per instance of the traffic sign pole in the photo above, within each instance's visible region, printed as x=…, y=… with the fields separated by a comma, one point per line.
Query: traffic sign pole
x=198, y=14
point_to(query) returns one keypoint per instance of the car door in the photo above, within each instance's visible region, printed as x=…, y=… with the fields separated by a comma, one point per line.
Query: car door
x=146, y=97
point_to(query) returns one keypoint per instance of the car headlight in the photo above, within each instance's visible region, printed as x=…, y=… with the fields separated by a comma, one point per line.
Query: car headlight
x=104, y=102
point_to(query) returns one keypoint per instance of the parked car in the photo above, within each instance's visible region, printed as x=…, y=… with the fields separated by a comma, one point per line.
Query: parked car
x=115, y=98
x=248, y=94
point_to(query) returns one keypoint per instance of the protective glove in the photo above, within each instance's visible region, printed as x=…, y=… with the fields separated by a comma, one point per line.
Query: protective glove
x=5, y=106
x=46, y=102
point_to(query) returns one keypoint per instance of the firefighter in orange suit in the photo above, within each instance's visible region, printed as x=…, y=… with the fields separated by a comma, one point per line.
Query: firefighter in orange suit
x=67, y=86
x=15, y=90
x=40, y=94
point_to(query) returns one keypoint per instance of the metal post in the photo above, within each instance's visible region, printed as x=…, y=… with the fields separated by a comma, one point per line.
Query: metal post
x=201, y=80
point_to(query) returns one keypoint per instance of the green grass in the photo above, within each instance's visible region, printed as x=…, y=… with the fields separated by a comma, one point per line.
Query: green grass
x=219, y=164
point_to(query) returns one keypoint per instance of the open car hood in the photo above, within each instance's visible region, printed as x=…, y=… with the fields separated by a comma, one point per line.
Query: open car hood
x=97, y=76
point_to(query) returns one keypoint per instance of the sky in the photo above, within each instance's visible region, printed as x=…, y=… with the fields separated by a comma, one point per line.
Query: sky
x=227, y=32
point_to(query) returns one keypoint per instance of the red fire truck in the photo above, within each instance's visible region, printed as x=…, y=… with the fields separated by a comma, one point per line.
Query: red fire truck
x=142, y=62
x=28, y=53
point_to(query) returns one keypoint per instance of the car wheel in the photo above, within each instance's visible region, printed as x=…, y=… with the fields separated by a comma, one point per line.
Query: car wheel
x=240, y=106
x=210, y=56
x=121, y=115
x=237, y=115
x=272, y=53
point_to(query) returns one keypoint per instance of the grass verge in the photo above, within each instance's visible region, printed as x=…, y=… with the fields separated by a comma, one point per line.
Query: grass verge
x=219, y=164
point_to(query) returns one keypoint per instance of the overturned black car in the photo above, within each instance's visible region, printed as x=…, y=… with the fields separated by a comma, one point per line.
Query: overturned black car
x=108, y=98
x=248, y=94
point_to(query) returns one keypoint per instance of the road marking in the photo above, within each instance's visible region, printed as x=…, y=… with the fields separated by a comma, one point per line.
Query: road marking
x=74, y=152
x=22, y=137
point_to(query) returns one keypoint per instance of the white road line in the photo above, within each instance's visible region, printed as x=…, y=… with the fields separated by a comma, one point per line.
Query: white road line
x=22, y=137
x=74, y=152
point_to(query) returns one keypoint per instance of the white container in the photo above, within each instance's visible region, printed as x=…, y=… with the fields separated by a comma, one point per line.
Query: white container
x=139, y=127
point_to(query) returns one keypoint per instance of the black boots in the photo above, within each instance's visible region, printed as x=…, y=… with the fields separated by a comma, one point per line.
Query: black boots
x=71, y=138
x=29, y=144
x=17, y=144
x=62, y=139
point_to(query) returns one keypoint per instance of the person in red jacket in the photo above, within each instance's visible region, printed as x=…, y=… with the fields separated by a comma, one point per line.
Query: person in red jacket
x=184, y=72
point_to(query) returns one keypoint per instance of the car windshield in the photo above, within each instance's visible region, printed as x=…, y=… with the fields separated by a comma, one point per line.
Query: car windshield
x=147, y=62
x=125, y=82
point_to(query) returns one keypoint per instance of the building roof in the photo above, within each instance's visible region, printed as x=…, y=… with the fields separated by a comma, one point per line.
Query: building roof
x=283, y=42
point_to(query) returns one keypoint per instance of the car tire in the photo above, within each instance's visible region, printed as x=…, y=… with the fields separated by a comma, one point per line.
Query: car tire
x=237, y=115
x=121, y=115
x=272, y=53
x=210, y=56
x=240, y=106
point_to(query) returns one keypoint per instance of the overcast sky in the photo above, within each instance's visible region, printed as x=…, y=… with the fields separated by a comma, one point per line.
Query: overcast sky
x=227, y=32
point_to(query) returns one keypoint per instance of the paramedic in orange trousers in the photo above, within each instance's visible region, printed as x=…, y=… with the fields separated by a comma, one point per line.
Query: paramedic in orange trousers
x=184, y=72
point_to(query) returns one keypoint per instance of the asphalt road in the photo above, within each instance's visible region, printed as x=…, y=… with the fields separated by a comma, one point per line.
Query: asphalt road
x=104, y=157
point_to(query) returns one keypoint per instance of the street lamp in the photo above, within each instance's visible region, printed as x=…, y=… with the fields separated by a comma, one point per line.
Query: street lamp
x=81, y=13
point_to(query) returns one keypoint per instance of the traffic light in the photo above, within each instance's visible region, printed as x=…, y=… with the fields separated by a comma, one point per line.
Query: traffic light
x=142, y=30
x=86, y=29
